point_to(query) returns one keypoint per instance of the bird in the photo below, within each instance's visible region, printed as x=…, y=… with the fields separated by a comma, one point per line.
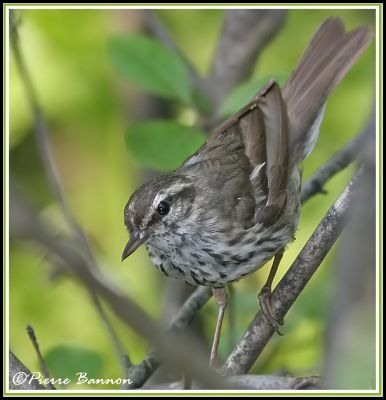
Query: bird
x=234, y=204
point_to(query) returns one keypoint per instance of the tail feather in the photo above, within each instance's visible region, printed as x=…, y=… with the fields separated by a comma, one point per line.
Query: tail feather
x=325, y=37
x=325, y=62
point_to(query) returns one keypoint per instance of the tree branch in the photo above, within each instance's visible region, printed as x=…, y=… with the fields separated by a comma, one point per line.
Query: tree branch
x=288, y=289
x=339, y=161
x=255, y=382
x=244, y=34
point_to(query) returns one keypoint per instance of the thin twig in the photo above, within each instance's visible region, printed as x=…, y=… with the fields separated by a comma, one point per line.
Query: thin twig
x=141, y=372
x=42, y=134
x=43, y=366
x=125, y=362
x=53, y=176
x=187, y=312
x=336, y=163
x=291, y=285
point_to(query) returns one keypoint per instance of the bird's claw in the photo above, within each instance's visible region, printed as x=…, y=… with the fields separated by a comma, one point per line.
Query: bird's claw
x=266, y=308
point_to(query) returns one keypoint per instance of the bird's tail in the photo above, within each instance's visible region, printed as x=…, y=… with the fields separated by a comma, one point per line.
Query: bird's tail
x=325, y=62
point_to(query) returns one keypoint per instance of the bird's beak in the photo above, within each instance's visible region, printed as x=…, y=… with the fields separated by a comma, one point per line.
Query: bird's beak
x=133, y=244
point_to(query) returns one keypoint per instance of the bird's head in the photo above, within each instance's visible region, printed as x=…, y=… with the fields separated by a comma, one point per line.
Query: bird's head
x=156, y=207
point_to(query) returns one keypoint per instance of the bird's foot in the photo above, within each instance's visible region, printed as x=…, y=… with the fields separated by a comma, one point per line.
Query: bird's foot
x=266, y=309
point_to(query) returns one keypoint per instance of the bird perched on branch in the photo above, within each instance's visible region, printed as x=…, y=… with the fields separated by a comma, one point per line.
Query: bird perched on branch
x=235, y=203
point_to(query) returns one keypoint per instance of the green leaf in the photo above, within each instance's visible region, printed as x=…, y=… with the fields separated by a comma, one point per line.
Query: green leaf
x=162, y=144
x=150, y=65
x=65, y=361
x=242, y=94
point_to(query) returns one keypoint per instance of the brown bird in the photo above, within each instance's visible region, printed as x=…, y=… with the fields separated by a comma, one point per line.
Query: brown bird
x=235, y=203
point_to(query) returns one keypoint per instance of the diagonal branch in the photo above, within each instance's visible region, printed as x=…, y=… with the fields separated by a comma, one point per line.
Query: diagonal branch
x=291, y=285
x=339, y=161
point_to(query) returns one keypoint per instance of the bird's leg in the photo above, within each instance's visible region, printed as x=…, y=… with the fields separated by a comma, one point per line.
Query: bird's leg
x=265, y=294
x=220, y=295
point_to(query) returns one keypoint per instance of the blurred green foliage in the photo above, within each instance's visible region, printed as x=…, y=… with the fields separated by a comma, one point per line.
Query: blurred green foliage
x=91, y=112
x=68, y=361
x=150, y=64
x=163, y=144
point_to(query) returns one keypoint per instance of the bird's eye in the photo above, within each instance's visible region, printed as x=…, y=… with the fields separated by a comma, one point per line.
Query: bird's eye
x=163, y=208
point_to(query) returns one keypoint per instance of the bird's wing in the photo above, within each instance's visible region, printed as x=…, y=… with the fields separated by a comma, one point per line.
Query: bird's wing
x=274, y=117
x=257, y=133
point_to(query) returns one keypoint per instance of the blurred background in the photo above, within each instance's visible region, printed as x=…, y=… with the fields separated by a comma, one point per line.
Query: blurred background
x=89, y=107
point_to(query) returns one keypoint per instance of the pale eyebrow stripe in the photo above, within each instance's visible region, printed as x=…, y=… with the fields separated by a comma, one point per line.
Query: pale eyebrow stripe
x=162, y=195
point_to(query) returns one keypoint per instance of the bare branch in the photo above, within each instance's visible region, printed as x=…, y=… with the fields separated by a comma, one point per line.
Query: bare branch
x=43, y=366
x=255, y=382
x=288, y=289
x=244, y=34
x=187, y=312
x=339, y=161
x=20, y=377
x=125, y=362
